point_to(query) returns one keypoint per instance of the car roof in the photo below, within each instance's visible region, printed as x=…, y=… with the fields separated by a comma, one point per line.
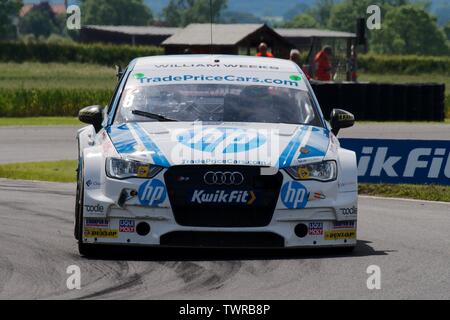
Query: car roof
x=191, y=61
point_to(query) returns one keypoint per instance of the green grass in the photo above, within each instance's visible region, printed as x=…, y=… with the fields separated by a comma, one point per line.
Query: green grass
x=79, y=76
x=33, y=75
x=409, y=191
x=39, y=121
x=57, y=171
x=64, y=171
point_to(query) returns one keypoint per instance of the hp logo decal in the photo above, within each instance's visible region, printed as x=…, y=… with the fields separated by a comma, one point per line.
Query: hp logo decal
x=223, y=178
x=152, y=193
x=294, y=195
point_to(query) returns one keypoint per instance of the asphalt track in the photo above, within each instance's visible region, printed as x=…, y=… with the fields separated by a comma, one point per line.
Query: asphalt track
x=408, y=240
x=30, y=143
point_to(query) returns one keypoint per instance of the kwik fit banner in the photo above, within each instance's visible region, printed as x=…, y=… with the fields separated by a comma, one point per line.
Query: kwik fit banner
x=401, y=161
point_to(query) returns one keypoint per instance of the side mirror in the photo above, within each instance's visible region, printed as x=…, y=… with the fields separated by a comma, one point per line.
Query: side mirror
x=92, y=115
x=340, y=119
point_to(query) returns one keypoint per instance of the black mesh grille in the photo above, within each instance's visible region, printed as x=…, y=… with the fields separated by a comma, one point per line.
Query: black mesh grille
x=183, y=181
x=222, y=239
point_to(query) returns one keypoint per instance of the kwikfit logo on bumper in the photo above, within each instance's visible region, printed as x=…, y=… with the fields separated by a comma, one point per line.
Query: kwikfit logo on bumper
x=397, y=161
x=223, y=196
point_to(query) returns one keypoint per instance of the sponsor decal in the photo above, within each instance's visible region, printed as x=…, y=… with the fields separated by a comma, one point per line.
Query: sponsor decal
x=338, y=235
x=100, y=233
x=229, y=140
x=182, y=179
x=227, y=161
x=401, y=161
x=305, y=150
x=142, y=171
x=152, y=193
x=215, y=65
x=303, y=173
x=350, y=224
x=97, y=208
x=349, y=211
x=92, y=184
x=344, y=117
x=96, y=222
x=346, y=184
x=294, y=195
x=295, y=77
x=126, y=225
x=191, y=78
x=139, y=75
x=318, y=195
x=315, y=228
x=223, y=196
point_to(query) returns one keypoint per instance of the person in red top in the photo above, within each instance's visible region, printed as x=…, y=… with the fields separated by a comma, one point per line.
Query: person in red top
x=262, y=51
x=322, y=61
x=294, y=56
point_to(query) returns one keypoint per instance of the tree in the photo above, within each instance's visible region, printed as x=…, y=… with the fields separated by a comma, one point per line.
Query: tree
x=40, y=21
x=9, y=10
x=409, y=30
x=343, y=15
x=447, y=30
x=116, y=12
x=303, y=20
x=180, y=13
x=321, y=11
x=295, y=11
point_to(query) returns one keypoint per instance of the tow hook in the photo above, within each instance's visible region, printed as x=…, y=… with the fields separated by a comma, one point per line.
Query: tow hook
x=126, y=195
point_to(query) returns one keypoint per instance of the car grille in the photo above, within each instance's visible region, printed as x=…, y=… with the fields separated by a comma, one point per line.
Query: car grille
x=183, y=181
x=222, y=239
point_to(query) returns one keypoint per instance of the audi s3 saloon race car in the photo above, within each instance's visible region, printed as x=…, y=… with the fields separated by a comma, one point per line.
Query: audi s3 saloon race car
x=214, y=151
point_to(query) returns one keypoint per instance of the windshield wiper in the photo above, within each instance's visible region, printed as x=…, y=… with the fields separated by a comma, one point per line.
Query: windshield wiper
x=150, y=115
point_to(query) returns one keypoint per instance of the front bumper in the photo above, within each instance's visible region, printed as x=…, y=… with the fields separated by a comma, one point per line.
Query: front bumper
x=328, y=221
x=165, y=231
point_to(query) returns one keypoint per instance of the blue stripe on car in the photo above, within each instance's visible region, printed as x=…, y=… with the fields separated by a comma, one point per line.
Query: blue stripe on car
x=122, y=138
x=158, y=157
x=317, y=144
x=288, y=153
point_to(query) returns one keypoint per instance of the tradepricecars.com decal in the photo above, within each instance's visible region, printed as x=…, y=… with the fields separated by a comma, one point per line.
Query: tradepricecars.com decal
x=281, y=79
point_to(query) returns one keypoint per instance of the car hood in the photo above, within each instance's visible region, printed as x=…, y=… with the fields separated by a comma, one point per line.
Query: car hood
x=190, y=143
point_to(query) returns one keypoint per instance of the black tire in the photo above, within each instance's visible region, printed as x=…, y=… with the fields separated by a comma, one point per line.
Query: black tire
x=85, y=249
x=78, y=207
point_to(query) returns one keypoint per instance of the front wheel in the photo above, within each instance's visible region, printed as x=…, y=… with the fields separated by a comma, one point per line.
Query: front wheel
x=85, y=249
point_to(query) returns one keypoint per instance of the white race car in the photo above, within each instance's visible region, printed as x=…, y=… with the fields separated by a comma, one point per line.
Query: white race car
x=214, y=151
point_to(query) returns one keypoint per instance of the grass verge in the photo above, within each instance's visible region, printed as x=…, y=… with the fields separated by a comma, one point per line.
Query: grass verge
x=64, y=171
x=56, y=171
x=34, y=75
x=39, y=121
x=409, y=191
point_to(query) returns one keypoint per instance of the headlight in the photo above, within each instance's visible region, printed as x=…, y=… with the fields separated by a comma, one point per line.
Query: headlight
x=322, y=171
x=122, y=169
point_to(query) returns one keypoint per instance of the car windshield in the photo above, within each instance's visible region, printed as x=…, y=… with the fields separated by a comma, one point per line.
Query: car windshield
x=217, y=103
